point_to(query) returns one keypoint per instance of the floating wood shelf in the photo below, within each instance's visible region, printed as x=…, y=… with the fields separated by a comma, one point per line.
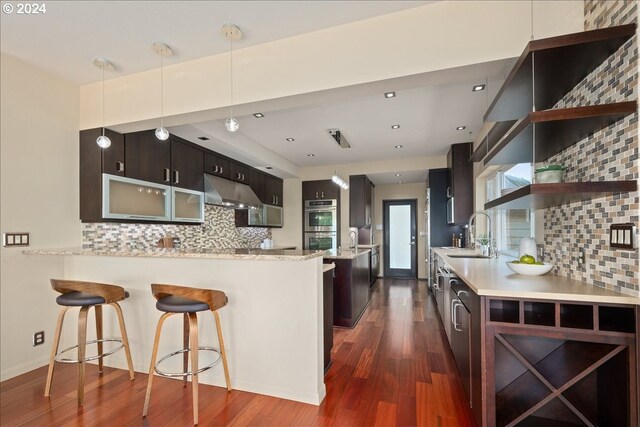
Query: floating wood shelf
x=549, y=68
x=538, y=196
x=554, y=131
x=495, y=134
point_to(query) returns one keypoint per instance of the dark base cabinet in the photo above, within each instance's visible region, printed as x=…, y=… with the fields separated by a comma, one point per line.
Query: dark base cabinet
x=560, y=363
x=350, y=289
x=327, y=294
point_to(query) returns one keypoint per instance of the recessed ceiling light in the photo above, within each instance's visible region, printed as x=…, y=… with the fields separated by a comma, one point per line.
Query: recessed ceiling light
x=258, y=115
x=398, y=146
x=290, y=139
x=477, y=88
x=268, y=167
x=395, y=126
x=398, y=174
x=311, y=155
x=461, y=128
x=203, y=138
x=399, y=182
x=389, y=94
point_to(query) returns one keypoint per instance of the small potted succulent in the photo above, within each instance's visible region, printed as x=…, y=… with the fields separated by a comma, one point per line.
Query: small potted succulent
x=483, y=241
x=550, y=173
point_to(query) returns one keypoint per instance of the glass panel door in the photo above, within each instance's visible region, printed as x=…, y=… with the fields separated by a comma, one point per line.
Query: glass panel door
x=400, y=250
x=188, y=205
x=126, y=198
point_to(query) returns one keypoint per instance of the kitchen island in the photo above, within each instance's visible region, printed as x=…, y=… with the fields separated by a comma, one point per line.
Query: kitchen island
x=350, y=284
x=272, y=325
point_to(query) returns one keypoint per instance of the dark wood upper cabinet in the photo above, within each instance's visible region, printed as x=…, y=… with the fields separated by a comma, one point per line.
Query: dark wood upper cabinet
x=113, y=160
x=186, y=165
x=239, y=172
x=274, y=191
x=94, y=161
x=460, y=182
x=148, y=158
x=360, y=201
x=216, y=165
x=258, y=183
x=319, y=190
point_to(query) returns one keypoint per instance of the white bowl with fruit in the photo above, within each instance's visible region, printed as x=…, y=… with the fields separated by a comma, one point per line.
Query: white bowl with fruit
x=528, y=266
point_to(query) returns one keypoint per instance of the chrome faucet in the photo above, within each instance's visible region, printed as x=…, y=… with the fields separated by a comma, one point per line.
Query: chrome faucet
x=472, y=243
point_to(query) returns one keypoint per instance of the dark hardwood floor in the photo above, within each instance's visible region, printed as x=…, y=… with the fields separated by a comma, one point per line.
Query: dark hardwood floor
x=393, y=369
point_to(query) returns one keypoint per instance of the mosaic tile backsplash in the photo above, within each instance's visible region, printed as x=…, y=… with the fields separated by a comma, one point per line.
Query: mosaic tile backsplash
x=217, y=232
x=610, y=154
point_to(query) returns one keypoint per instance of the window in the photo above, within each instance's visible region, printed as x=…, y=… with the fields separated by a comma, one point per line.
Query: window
x=511, y=225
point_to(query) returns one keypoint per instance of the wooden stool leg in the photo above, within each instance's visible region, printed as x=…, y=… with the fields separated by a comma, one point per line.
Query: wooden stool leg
x=223, y=352
x=99, y=336
x=185, y=345
x=154, y=354
x=82, y=346
x=54, y=350
x=125, y=338
x=193, y=338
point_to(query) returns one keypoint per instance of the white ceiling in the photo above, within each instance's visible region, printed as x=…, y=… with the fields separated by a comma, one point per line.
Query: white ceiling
x=66, y=39
x=428, y=107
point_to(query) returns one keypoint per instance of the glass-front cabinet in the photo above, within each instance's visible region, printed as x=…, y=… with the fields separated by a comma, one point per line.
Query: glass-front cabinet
x=132, y=199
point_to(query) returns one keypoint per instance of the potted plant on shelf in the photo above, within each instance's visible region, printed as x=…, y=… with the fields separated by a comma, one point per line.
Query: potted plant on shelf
x=550, y=173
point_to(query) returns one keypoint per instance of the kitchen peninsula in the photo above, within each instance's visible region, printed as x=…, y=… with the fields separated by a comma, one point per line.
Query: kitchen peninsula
x=272, y=326
x=351, y=284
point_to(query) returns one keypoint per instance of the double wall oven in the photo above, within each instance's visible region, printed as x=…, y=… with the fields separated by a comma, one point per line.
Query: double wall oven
x=321, y=224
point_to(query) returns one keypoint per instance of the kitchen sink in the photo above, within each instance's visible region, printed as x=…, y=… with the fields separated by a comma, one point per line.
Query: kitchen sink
x=468, y=256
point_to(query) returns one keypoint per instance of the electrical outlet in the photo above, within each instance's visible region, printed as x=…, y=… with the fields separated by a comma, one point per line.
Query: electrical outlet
x=38, y=338
x=581, y=259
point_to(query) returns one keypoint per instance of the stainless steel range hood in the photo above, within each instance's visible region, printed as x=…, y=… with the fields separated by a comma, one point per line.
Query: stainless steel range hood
x=227, y=193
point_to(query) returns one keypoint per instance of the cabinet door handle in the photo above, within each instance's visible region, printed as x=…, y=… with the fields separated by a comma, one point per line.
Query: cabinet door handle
x=176, y=177
x=243, y=177
x=237, y=175
x=273, y=199
x=316, y=194
x=277, y=200
x=323, y=194
x=167, y=173
x=215, y=168
x=220, y=169
x=454, y=314
x=120, y=166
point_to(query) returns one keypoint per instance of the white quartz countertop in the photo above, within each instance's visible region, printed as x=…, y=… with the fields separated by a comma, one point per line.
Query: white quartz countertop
x=492, y=277
x=345, y=253
x=255, y=254
x=328, y=267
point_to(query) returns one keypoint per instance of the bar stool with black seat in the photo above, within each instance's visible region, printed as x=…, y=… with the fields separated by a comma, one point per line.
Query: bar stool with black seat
x=188, y=301
x=87, y=295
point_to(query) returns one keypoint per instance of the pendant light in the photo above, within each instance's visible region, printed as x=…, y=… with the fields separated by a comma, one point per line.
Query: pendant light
x=103, y=141
x=162, y=50
x=231, y=32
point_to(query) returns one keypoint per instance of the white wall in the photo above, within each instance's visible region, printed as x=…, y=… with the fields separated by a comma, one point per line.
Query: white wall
x=39, y=189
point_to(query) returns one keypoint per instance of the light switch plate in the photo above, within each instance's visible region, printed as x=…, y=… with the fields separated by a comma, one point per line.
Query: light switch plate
x=622, y=236
x=15, y=239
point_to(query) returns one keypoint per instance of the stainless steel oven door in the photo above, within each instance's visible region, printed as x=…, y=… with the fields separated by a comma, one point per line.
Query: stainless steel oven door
x=321, y=220
x=320, y=241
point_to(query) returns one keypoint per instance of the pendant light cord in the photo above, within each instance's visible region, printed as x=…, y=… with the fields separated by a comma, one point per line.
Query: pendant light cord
x=102, y=101
x=231, y=72
x=161, y=93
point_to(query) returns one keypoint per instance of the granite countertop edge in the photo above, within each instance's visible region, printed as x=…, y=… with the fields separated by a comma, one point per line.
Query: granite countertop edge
x=240, y=254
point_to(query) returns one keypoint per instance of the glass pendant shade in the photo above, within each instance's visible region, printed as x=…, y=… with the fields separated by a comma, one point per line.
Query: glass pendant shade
x=162, y=134
x=232, y=124
x=103, y=141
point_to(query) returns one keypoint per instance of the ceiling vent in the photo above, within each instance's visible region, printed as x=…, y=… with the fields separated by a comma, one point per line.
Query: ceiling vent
x=339, y=137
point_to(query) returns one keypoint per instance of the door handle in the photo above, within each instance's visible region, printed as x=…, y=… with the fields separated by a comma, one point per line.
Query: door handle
x=220, y=169
x=167, y=173
x=120, y=166
x=323, y=194
x=176, y=177
x=215, y=168
x=454, y=316
x=412, y=243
